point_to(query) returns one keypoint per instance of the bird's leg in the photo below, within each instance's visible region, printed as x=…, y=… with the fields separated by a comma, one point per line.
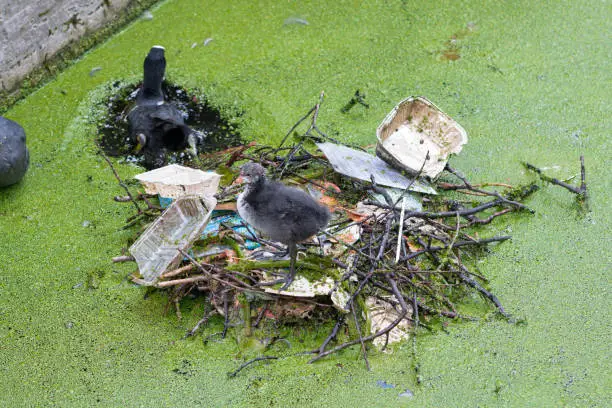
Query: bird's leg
x=292, y=255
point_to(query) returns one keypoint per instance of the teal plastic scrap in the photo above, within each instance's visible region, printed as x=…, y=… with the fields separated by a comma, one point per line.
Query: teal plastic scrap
x=233, y=220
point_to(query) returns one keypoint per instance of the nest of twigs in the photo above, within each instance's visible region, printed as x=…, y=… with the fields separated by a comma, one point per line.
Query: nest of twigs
x=417, y=263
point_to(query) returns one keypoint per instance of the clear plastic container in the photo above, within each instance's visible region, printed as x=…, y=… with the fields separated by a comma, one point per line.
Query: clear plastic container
x=157, y=249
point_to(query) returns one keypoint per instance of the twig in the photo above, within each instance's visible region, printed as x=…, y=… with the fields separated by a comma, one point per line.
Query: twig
x=367, y=338
x=455, y=245
x=197, y=326
x=363, y=347
x=579, y=191
x=331, y=336
x=123, y=258
x=248, y=363
x=415, y=317
x=225, y=313
x=485, y=293
x=191, y=279
x=121, y=183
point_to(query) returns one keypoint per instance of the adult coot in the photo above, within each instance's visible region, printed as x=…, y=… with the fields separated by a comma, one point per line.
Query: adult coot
x=14, y=155
x=155, y=125
x=285, y=214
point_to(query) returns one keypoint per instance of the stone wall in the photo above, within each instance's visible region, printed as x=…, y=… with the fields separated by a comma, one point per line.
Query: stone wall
x=33, y=31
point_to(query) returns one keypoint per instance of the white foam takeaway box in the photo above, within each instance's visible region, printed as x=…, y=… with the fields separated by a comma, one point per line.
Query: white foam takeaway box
x=174, y=181
x=417, y=135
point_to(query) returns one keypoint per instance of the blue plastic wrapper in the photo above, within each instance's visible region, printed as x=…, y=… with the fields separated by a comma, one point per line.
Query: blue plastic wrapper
x=226, y=217
x=235, y=221
x=164, y=202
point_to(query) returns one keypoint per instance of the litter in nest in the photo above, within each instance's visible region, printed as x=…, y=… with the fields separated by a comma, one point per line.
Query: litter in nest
x=174, y=181
x=361, y=165
x=158, y=248
x=414, y=129
x=381, y=313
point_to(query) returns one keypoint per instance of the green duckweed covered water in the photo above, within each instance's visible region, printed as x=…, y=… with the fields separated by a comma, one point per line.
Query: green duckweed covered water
x=529, y=81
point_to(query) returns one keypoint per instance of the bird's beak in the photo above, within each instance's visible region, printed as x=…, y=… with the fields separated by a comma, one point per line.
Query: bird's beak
x=142, y=140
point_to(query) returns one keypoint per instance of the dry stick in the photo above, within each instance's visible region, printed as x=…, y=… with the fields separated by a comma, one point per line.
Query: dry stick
x=494, y=193
x=226, y=314
x=456, y=245
x=467, y=279
x=363, y=347
x=399, y=232
x=576, y=190
x=449, y=186
x=123, y=258
x=197, y=326
x=121, y=183
x=238, y=151
x=209, y=274
x=387, y=329
x=415, y=317
x=316, y=107
x=287, y=160
x=442, y=214
x=583, y=186
x=414, y=179
x=445, y=313
x=481, y=221
x=261, y=315
x=191, y=279
x=234, y=373
x=177, y=271
x=331, y=336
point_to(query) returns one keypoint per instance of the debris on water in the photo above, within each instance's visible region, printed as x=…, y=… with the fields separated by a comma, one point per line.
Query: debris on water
x=384, y=384
x=78, y=285
x=416, y=136
x=382, y=266
x=335, y=244
x=406, y=394
x=233, y=220
x=302, y=287
x=94, y=71
x=412, y=201
x=158, y=248
x=147, y=15
x=173, y=181
x=86, y=224
x=358, y=98
x=362, y=166
x=295, y=20
x=381, y=313
x=195, y=44
x=207, y=41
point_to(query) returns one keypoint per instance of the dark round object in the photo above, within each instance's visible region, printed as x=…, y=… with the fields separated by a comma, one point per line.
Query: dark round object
x=14, y=155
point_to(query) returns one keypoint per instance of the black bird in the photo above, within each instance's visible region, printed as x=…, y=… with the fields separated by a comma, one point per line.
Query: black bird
x=285, y=214
x=155, y=125
x=14, y=155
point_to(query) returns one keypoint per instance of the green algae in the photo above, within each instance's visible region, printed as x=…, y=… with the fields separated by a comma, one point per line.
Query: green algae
x=63, y=343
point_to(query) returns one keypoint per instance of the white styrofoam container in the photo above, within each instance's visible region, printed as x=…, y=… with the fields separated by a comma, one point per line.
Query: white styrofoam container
x=414, y=128
x=174, y=181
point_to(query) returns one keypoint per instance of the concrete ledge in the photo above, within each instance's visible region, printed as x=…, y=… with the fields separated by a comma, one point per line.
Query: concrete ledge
x=38, y=38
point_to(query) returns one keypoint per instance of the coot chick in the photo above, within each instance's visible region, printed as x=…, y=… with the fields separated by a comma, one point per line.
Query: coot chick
x=155, y=125
x=284, y=214
x=14, y=155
